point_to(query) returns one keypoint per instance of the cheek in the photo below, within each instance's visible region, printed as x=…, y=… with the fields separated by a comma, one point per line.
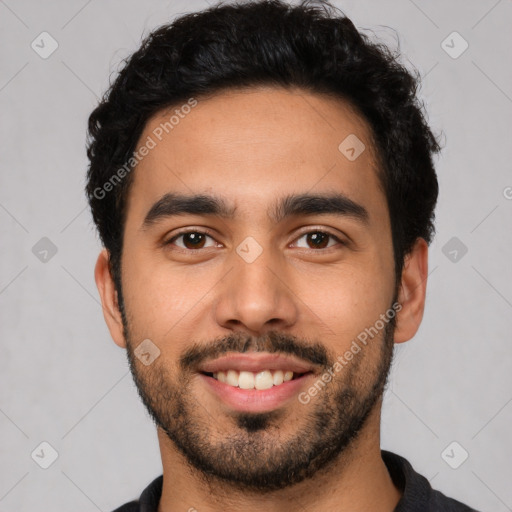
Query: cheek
x=161, y=300
x=352, y=302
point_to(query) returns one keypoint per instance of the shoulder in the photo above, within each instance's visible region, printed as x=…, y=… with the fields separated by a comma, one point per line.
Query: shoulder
x=417, y=494
x=440, y=502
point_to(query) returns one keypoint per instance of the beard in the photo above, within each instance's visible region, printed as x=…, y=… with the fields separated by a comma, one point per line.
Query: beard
x=251, y=452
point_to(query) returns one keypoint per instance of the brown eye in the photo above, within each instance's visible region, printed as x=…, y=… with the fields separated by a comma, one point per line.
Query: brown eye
x=318, y=239
x=191, y=240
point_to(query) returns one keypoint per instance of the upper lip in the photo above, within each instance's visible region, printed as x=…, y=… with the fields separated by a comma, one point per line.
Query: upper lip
x=256, y=362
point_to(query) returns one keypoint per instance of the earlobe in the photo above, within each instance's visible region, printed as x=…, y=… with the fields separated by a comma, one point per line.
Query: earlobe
x=109, y=298
x=412, y=292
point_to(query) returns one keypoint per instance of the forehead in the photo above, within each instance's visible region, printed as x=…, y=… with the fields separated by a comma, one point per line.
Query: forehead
x=255, y=144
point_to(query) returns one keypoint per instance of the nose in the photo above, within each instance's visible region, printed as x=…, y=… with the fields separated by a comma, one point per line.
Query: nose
x=256, y=296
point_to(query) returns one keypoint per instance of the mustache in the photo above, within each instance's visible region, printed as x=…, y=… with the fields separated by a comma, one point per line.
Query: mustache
x=273, y=342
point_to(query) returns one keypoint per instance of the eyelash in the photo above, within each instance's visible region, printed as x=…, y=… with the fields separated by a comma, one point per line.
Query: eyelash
x=210, y=234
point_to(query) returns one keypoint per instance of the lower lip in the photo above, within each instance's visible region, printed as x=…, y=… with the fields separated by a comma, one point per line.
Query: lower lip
x=255, y=400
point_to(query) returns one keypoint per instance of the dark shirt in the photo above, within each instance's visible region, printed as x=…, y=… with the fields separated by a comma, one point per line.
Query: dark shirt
x=417, y=494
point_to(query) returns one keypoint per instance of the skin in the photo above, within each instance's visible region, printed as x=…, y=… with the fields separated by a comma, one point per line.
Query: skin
x=252, y=147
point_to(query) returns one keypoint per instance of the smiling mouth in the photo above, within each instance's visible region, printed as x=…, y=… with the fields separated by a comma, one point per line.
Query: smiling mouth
x=261, y=380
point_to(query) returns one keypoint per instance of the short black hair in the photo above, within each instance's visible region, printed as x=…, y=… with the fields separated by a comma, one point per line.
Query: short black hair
x=312, y=46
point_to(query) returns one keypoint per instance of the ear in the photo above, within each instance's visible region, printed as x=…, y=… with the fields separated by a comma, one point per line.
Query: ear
x=412, y=292
x=108, y=295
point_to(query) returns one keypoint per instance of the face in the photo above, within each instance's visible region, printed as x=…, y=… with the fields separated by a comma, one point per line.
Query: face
x=251, y=293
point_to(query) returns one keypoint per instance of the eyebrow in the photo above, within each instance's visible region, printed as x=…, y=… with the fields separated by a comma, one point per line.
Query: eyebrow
x=173, y=204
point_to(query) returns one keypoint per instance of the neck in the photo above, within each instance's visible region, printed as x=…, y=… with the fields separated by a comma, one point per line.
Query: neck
x=358, y=481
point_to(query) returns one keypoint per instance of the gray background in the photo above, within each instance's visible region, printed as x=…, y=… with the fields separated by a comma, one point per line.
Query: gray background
x=64, y=381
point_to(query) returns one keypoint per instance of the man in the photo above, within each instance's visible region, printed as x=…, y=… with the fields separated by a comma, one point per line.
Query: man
x=261, y=178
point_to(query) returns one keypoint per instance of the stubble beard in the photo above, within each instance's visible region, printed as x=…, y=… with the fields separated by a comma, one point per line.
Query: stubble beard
x=252, y=455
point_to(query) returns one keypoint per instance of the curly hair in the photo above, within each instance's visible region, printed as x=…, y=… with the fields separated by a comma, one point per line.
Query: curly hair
x=312, y=46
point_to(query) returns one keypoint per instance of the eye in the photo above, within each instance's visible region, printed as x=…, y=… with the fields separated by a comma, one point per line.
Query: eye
x=192, y=239
x=195, y=239
x=319, y=239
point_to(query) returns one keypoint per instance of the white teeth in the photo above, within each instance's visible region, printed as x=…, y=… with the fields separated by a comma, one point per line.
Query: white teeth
x=278, y=377
x=249, y=380
x=263, y=380
x=246, y=380
x=232, y=378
